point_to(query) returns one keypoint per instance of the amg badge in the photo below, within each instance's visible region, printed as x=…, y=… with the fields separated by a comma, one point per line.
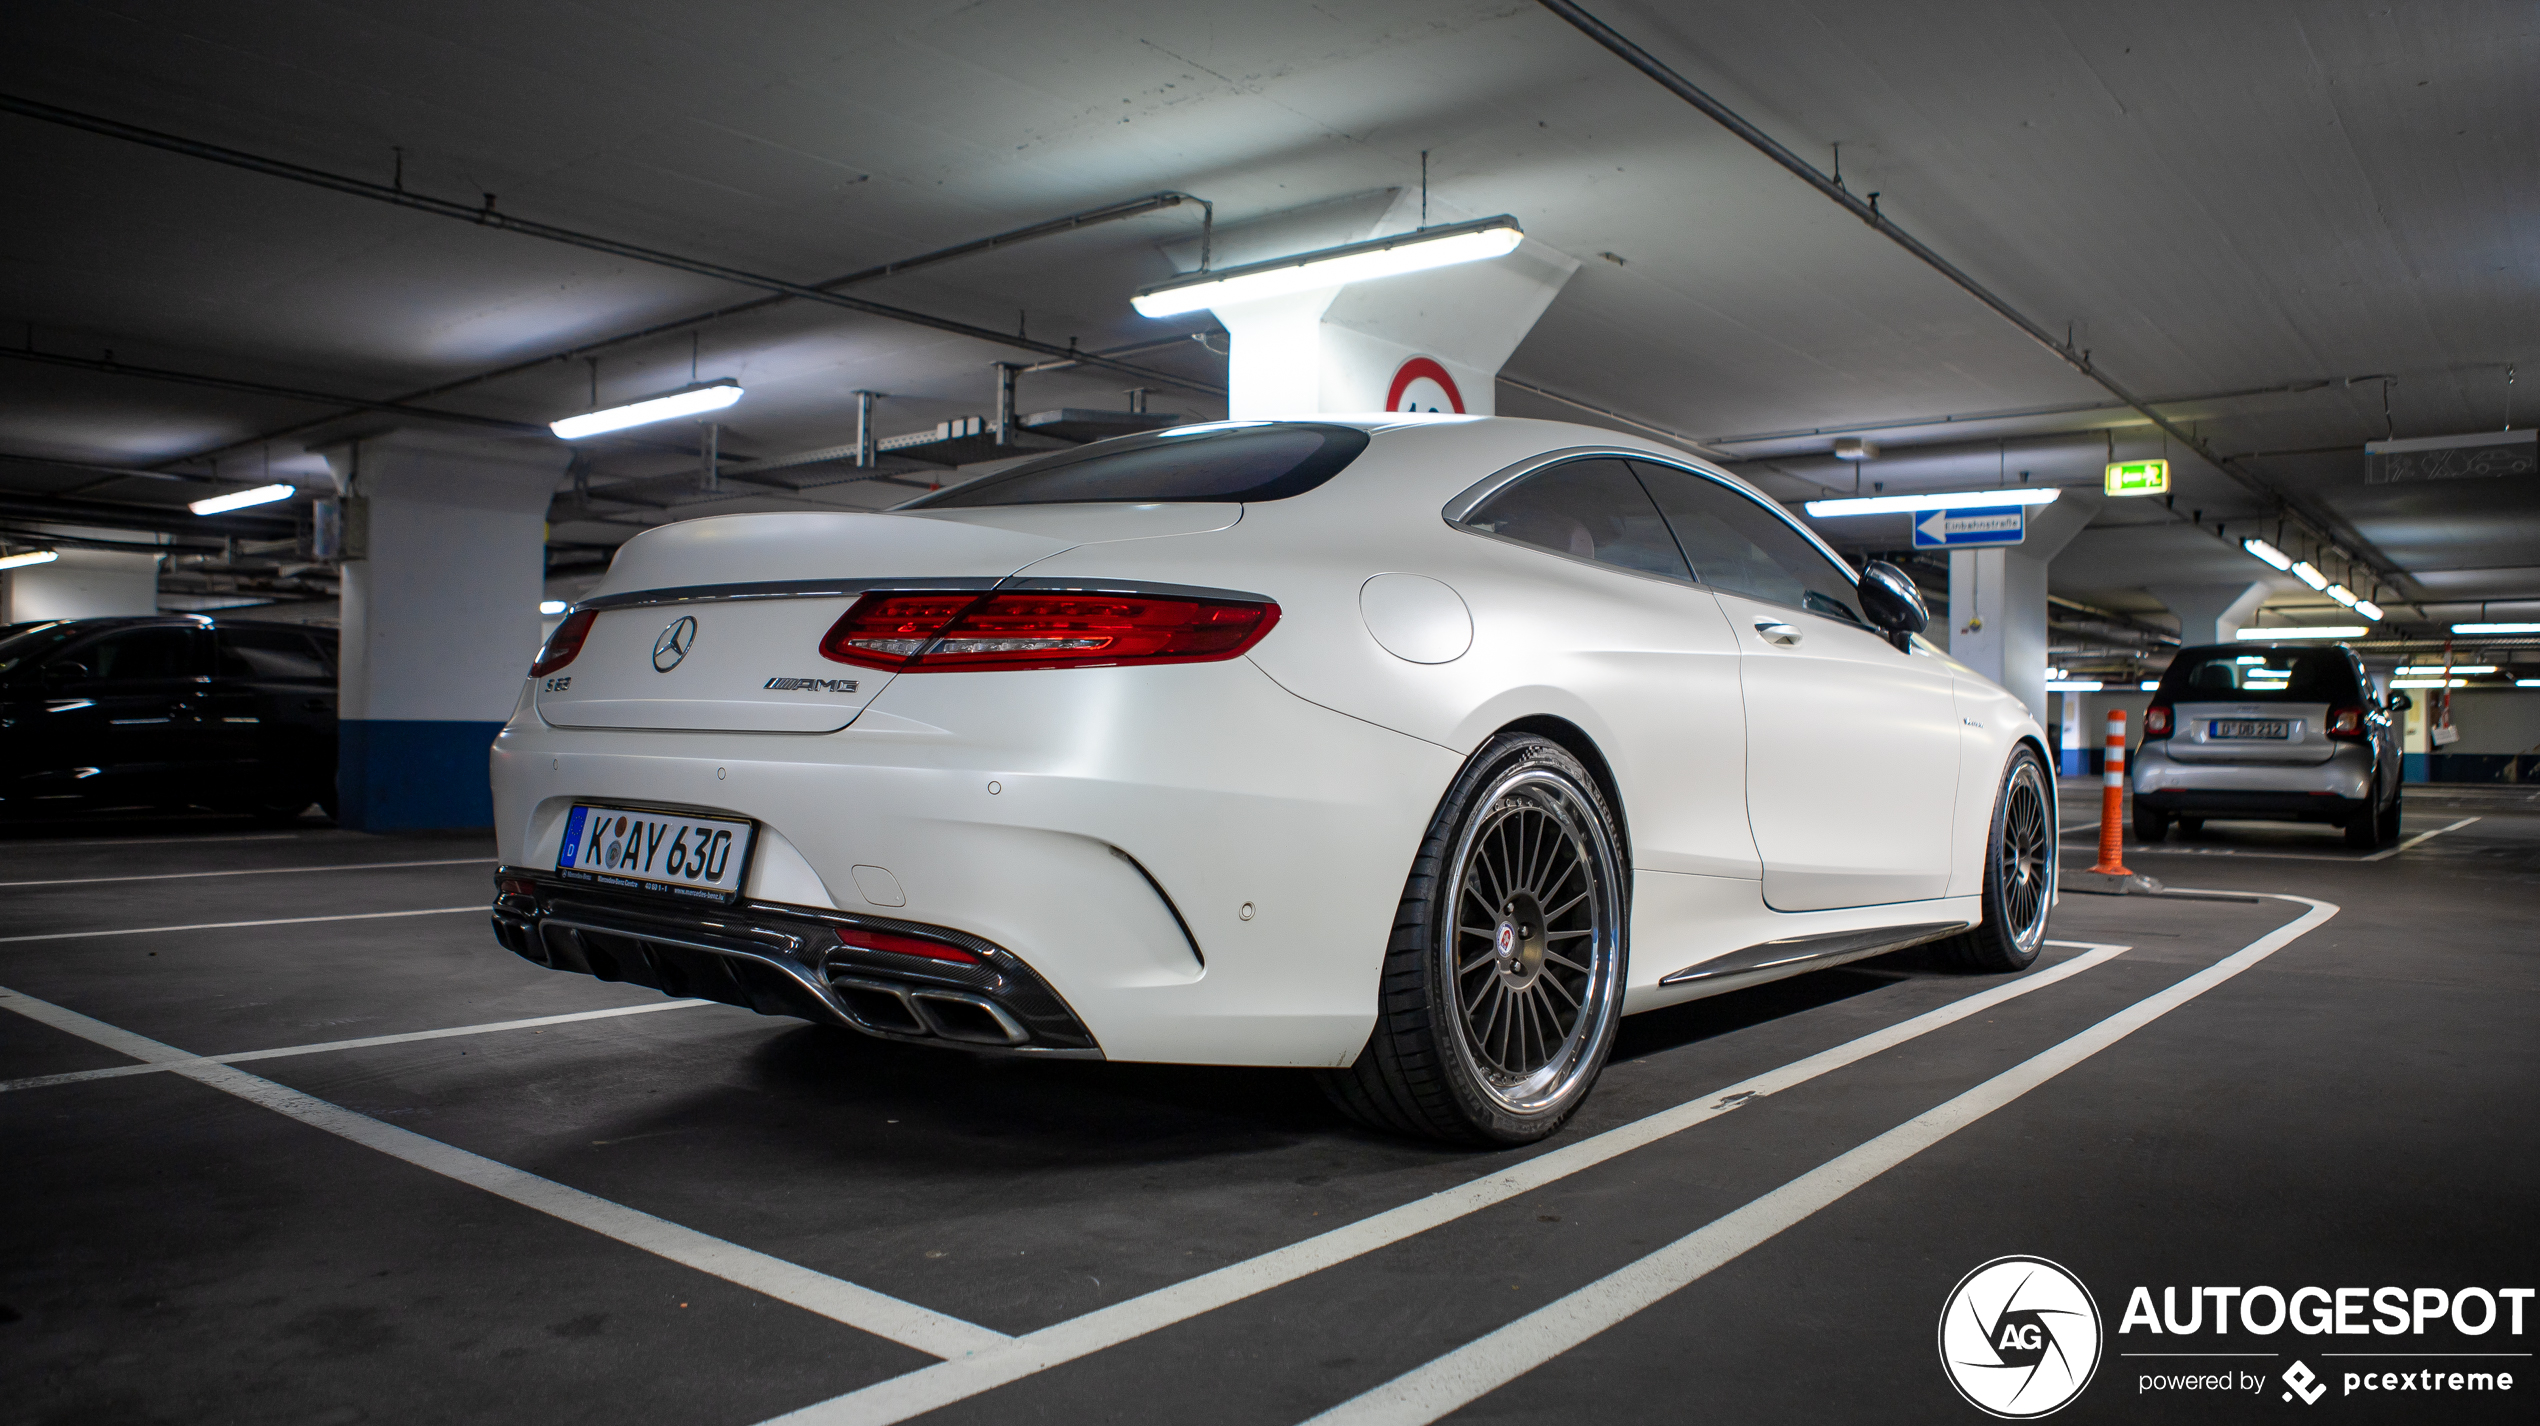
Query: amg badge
x=812, y=685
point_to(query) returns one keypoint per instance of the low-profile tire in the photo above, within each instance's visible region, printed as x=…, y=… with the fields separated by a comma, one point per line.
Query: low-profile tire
x=2363, y=830
x=2019, y=875
x=1503, y=979
x=2150, y=826
x=2390, y=820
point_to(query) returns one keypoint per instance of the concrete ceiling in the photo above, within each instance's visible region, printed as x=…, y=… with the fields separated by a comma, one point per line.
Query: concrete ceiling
x=2271, y=215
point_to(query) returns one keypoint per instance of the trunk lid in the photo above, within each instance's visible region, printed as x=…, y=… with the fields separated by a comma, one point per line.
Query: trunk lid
x=736, y=606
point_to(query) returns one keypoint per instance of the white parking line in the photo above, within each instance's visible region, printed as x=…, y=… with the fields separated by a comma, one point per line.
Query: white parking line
x=253, y=871
x=163, y=841
x=1490, y=1362
x=927, y=1388
x=2418, y=840
x=46, y=1081
x=2149, y=850
x=841, y=1301
x=234, y=925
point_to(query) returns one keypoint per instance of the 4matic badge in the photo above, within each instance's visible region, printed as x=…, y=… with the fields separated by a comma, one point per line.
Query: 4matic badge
x=2019, y=1337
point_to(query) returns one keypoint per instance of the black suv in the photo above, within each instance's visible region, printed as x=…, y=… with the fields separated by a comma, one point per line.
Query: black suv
x=167, y=711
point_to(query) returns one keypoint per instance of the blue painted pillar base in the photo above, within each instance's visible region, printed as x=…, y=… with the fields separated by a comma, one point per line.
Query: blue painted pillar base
x=2073, y=762
x=400, y=776
x=2412, y=767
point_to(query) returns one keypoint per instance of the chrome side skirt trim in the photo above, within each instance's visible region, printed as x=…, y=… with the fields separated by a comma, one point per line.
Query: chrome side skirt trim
x=1792, y=954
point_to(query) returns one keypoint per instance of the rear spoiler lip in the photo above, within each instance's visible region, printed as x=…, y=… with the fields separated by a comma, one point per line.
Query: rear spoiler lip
x=842, y=588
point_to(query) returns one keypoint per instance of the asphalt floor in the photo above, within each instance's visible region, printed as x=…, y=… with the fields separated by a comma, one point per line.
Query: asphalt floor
x=690, y=1213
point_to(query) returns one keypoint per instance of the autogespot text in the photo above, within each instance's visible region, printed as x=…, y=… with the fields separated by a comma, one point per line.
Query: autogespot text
x=2375, y=1312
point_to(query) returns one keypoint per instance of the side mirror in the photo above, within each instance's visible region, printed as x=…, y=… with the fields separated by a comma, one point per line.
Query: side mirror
x=1891, y=602
x=2400, y=702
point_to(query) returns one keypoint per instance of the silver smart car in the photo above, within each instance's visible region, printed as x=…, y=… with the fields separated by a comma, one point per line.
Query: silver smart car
x=2276, y=732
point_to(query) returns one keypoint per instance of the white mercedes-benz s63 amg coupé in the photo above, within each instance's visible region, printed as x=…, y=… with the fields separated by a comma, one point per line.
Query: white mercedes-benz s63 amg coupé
x=1415, y=749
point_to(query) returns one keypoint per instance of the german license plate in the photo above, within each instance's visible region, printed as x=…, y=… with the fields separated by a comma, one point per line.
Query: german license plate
x=2252, y=728
x=673, y=853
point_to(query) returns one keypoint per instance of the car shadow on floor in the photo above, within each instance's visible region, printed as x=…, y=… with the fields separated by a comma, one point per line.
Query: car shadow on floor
x=1083, y=1112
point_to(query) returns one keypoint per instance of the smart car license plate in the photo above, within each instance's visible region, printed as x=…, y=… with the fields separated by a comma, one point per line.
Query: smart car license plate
x=702, y=858
x=2252, y=728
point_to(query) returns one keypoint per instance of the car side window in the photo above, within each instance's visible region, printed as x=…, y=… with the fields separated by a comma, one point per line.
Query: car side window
x=270, y=653
x=1739, y=546
x=136, y=654
x=1588, y=509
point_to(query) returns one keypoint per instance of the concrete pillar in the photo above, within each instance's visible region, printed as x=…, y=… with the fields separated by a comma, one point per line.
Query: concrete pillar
x=444, y=565
x=2210, y=613
x=1997, y=600
x=81, y=583
x=1423, y=341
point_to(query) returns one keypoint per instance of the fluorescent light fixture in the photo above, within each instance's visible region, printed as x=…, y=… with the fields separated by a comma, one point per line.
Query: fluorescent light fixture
x=2428, y=683
x=2368, y=609
x=2527, y=683
x=2268, y=552
x=30, y=557
x=1854, y=448
x=2302, y=571
x=2306, y=631
x=1937, y=500
x=1392, y=256
x=241, y=499
x=2053, y=673
x=2496, y=628
x=2075, y=685
x=551, y=607
x=2251, y=658
x=2438, y=670
x=2342, y=595
x=687, y=401
x=2150, y=685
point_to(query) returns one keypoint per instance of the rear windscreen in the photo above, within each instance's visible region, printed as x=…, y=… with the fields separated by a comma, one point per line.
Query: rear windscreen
x=2262, y=676
x=1220, y=463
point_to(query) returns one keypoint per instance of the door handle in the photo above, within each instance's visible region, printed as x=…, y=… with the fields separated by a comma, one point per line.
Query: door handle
x=1777, y=633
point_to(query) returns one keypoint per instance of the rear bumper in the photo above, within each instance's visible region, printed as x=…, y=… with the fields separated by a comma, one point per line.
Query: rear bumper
x=2328, y=791
x=1202, y=867
x=2270, y=806
x=789, y=960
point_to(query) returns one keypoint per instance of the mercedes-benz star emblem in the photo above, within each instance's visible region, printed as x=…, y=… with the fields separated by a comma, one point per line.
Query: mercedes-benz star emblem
x=674, y=643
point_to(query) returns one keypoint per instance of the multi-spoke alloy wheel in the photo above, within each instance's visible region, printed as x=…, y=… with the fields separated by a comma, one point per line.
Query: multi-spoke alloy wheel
x=2019, y=873
x=1504, y=981
x=2021, y=855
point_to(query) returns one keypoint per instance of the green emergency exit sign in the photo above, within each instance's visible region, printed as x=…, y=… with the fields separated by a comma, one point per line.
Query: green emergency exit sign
x=2138, y=477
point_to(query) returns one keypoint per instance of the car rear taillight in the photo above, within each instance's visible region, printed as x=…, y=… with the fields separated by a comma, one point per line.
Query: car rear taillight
x=2346, y=723
x=863, y=940
x=564, y=643
x=927, y=632
x=2156, y=721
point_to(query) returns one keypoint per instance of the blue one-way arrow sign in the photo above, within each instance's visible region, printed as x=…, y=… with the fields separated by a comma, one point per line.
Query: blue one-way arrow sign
x=1959, y=529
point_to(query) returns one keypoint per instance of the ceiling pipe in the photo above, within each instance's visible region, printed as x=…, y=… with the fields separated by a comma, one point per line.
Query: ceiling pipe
x=1107, y=213
x=265, y=388
x=1868, y=212
x=486, y=216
